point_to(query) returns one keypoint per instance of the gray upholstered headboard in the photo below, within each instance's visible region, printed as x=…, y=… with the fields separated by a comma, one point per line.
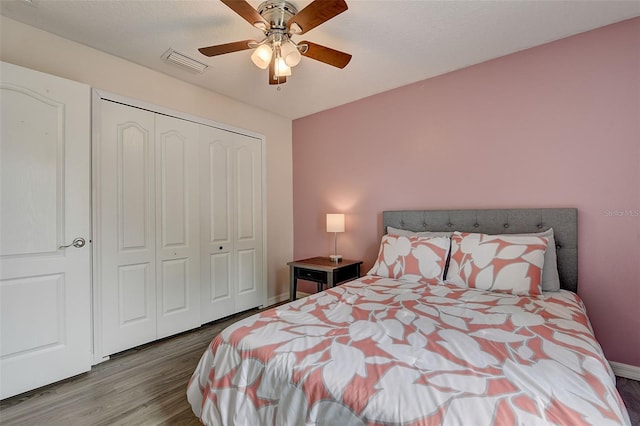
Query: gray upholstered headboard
x=564, y=222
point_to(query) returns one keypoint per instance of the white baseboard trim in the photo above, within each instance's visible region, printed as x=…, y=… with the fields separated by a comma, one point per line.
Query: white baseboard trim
x=625, y=370
x=97, y=360
x=277, y=299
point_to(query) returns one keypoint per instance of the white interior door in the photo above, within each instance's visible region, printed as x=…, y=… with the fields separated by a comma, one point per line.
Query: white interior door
x=126, y=239
x=45, y=201
x=177, y=224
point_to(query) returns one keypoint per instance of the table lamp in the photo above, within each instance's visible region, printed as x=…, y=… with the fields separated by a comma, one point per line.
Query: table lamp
x=335, y=224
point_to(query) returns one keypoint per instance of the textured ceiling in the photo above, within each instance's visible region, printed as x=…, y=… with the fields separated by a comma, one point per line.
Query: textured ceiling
x=393, y=42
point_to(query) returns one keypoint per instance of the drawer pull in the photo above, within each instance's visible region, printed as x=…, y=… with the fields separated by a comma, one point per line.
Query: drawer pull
x=312, y=275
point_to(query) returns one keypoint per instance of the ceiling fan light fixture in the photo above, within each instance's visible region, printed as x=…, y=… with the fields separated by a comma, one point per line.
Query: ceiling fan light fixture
x=261, y=57
x=281, y=68
x=279, y=20
x=291, y=54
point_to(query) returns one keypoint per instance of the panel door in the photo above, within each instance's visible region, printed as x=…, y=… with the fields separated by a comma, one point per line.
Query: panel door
x=177, y=226
x=248, y=221
x=125, y=187
x=231, y=220
x=216, y=208
x=45, y=288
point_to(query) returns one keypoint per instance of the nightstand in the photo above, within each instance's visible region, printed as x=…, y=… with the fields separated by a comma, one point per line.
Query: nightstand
x=322, y=270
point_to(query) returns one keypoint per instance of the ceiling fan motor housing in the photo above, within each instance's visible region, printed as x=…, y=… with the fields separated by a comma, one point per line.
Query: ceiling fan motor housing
x=277, y=13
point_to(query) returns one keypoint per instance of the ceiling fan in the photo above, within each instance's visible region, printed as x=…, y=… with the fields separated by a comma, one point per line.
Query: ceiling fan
x=280, y=20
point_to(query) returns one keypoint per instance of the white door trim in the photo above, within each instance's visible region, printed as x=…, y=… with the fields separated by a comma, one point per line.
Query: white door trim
x=109, y=96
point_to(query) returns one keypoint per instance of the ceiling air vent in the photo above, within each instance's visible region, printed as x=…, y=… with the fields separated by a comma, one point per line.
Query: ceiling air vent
x=184, y=61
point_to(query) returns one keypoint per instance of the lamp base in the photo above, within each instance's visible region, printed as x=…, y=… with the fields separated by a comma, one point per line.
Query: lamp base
x=336, y=257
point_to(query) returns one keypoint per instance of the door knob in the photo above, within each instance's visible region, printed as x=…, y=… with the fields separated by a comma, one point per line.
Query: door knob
x=77, y=243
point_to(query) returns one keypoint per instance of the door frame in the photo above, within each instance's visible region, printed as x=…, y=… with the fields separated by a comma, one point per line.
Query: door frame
x=98, y=95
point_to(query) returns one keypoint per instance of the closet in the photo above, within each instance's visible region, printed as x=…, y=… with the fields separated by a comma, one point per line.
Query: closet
x=178, y=224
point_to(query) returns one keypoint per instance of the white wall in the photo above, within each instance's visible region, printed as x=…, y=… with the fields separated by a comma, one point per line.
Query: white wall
x=29, y=47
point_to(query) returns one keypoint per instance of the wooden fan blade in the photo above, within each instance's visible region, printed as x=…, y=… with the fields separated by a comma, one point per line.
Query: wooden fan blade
x=272, y=74
x=326, y=54
x=317, y=12
x=221, y=49
x=248, y=13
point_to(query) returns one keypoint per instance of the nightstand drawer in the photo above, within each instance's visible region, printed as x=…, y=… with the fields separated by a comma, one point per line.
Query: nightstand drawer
x=311, y=275
x=347, y=273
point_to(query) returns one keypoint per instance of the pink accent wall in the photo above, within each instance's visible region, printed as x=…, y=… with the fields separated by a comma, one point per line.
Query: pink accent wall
x=552, y=126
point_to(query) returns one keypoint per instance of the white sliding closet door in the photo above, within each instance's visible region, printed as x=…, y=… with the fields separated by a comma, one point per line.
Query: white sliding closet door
x=45, y=313
x=177, y=225
x=231, y=222
x=126, y=226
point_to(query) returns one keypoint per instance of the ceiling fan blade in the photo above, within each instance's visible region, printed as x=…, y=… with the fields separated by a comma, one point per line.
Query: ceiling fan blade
x=326, y=54
x=221, y=49
x=317, y=12
x=272, y=74
x=248, y=13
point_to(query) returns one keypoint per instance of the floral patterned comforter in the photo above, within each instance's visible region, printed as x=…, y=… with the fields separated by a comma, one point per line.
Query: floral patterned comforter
x=379, y=351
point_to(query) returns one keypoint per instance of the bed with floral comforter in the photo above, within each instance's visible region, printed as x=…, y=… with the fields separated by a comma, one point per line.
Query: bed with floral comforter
x=381, y=351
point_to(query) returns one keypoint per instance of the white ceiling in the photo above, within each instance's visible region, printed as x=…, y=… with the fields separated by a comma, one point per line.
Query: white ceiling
x=393, y=42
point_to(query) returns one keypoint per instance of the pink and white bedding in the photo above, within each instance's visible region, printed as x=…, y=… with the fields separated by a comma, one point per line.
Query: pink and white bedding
x=380, y=351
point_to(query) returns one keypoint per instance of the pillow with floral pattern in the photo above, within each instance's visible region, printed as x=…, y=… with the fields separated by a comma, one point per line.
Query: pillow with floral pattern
x=415, y=259
x=504, y=263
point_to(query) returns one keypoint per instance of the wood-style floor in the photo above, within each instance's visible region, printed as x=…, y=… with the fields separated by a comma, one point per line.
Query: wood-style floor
x=142, y=386
x=147, y=386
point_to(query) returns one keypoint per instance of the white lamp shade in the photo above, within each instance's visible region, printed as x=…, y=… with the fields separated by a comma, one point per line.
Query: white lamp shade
x=281, y=68
x=290, y=54
x=335, y=222
x=262, y=56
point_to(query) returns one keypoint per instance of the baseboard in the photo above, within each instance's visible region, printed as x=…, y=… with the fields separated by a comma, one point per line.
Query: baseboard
x=625, y=370
x=277, y=299
x=98, y=360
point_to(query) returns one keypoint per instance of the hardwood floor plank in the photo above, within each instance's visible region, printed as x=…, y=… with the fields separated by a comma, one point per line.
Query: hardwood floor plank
x=630, y=392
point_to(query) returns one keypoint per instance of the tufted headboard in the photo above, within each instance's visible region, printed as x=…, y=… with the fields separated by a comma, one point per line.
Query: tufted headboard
x=564, y=222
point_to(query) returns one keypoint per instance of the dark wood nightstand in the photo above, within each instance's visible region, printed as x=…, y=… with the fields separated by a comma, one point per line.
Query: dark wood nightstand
x=322, y=270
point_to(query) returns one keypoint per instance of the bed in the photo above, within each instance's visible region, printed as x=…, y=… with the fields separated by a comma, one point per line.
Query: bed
x=493, y=343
